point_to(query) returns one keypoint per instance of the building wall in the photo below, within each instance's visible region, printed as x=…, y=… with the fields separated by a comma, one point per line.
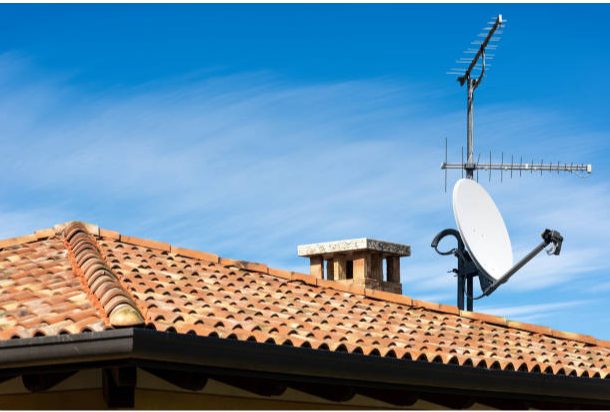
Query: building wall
x=79, y=399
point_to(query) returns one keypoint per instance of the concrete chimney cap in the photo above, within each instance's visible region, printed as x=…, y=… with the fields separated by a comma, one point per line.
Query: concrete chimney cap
x=354, y=245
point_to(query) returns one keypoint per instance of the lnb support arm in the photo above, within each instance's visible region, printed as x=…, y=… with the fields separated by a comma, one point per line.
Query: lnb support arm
x=548, y=237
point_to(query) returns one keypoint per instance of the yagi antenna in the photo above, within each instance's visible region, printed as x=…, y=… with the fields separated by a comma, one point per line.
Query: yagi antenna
x=483, y=245
x=471, y=74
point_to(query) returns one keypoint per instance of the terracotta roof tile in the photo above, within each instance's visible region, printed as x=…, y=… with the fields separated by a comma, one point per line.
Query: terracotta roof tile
x=39, y=288
x=78, y=277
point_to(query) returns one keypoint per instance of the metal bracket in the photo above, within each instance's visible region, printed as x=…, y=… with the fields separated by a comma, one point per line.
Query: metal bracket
x=467, y=269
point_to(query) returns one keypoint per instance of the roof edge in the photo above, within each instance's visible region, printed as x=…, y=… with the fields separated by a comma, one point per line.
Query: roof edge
x=192, y=352
x=96, y=231
x=102, y=284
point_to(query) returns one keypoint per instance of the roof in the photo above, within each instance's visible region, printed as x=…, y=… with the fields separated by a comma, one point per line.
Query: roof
x=77, y=277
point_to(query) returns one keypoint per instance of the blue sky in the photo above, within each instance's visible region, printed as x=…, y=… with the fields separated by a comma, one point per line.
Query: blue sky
x=245, y=130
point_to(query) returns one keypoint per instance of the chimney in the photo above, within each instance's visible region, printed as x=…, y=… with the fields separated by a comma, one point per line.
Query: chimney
x=374, y=264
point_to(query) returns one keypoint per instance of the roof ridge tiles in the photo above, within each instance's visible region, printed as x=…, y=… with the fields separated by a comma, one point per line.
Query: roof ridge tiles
x=88, y=263
x=96, y=231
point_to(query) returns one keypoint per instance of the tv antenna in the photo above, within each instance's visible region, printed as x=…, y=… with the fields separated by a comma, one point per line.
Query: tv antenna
x=483, y=246
x=471, y=74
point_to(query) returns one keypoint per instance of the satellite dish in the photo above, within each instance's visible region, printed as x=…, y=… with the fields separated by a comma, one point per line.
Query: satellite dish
x=483, y=246
x=482, y=229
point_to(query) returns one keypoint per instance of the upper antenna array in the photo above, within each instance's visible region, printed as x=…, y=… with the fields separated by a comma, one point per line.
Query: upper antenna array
x=487, y=40
x=471, y=74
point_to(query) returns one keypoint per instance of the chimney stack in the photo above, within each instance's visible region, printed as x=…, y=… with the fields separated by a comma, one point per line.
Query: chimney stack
x=358, y=261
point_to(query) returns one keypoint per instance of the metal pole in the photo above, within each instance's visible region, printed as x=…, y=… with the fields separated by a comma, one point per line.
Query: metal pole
x=470, y=292
x=460, y=290
x=469, y=131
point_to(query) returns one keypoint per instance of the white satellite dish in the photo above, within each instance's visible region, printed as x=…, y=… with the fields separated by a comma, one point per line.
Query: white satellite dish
x=483, y=246
x=482, y=228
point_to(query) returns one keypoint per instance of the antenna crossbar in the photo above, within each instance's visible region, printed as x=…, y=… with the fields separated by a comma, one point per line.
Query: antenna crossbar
x=530, y=167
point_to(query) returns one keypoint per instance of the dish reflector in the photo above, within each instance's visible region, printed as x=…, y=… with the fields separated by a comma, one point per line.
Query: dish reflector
x=482, y=228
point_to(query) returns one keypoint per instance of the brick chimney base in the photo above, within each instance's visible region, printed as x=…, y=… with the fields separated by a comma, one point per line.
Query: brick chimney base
x=393, y=287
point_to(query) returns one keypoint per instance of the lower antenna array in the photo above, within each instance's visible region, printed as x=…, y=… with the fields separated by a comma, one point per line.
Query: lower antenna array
x=580, y=169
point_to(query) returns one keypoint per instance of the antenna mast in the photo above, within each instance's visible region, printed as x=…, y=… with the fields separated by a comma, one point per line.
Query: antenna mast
x=478, y=62
x=472, y=85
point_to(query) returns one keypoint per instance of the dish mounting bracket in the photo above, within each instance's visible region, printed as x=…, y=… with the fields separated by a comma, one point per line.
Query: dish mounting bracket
x=467, y=270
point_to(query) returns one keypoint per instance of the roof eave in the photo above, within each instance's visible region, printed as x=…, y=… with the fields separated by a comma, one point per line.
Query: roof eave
x=207, y=353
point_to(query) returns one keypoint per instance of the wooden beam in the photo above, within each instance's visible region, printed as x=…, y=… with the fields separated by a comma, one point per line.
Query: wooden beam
x=119, y=387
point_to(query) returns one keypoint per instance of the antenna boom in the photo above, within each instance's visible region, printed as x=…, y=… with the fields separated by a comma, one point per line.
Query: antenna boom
x=481, y=50
x=533, y=167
